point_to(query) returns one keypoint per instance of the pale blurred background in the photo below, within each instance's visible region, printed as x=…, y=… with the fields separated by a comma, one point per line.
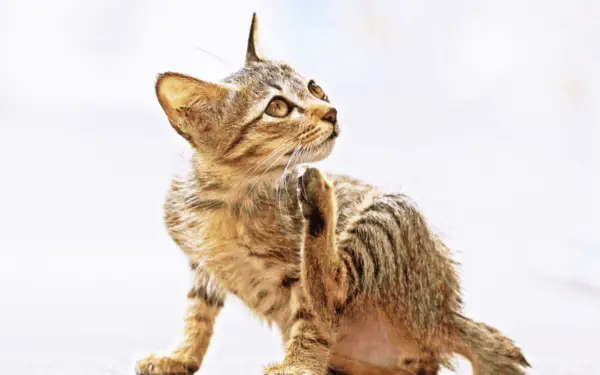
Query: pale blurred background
x=486, y=112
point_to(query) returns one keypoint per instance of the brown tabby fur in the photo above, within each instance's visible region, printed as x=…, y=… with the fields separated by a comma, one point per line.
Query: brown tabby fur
x=353, y=277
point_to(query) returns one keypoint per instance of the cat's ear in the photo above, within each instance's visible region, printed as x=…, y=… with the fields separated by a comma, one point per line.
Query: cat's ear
x=252, y=54
x=183, y=96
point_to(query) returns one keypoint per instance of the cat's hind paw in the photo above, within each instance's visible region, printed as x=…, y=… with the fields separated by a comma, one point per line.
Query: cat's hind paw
x=315, y=194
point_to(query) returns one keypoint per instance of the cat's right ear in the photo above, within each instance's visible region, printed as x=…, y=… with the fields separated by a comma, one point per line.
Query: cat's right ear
x=252, y=54
x=185, y=98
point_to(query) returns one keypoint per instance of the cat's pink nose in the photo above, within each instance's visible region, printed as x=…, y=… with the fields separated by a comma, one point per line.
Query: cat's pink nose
x=330, y=116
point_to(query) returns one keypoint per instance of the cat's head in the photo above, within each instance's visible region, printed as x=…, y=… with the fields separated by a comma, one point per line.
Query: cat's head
x=264, y=110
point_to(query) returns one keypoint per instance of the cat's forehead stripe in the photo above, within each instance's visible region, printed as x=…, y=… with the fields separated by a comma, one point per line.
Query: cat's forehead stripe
x=264, y=76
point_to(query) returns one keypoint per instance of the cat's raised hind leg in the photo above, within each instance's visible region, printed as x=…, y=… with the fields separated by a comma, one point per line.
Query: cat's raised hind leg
x=312, y=327
x=324, y=279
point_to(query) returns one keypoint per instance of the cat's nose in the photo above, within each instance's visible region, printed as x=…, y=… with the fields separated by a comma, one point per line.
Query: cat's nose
x=330, y=116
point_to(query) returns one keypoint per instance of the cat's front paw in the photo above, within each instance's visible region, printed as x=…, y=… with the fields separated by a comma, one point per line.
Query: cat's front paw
x=155, y=365
x=286, y=370
x=315, y=194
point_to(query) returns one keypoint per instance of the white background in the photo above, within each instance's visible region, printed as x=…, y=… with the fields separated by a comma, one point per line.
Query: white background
x=486, y=112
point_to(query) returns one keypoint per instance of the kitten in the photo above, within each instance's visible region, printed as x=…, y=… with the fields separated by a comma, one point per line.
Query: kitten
x=353, y=277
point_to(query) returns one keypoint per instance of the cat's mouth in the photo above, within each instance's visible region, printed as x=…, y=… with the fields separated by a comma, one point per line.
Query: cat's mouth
x=327, y=143
x=334, y=133
x=320, y=151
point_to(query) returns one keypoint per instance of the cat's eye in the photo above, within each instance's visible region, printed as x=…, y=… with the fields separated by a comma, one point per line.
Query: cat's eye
x=317, y=91
x=278, y=107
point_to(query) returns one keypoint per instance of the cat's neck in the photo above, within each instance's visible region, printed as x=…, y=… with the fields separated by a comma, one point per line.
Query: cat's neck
x=237, y=188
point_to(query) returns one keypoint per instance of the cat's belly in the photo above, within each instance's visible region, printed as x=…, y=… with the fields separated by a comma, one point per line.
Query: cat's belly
x=369, y=345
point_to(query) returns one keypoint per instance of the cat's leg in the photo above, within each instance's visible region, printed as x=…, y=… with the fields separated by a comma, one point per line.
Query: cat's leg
x=309, y=341
x=205, y=300
x=323, y=275
x=330, y=275
x=311, y=333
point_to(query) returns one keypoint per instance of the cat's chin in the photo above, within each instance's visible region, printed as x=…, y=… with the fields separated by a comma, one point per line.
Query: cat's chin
x=320, y=152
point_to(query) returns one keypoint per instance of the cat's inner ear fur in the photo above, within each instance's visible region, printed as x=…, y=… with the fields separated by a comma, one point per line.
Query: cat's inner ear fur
x=183, y=96
x=252, y=54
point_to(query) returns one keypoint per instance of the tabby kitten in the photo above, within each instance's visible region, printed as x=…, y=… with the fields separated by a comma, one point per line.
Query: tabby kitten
x=353, y=277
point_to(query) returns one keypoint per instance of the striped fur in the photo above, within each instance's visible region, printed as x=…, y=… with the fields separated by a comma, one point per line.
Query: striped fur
x=352, y=276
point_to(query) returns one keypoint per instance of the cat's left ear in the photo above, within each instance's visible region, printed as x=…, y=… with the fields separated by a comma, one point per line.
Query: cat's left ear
x=252, y=54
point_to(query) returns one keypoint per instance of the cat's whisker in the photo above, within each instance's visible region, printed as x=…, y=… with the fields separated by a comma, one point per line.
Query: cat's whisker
x=297, y=152
x=299, y=160
x=263, y=161
x=278, y=185
x=280, y=181
x=284, y=177
x=230, y=65
x=294, y=154
x=265, y=172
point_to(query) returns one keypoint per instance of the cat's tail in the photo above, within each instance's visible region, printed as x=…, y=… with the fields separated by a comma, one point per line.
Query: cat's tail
x=488, y=350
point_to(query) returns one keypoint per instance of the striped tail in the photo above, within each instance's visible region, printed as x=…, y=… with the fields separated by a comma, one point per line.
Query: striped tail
x=488, y=350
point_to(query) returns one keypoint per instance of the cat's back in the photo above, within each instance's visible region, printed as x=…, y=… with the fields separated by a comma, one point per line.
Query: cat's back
x=352, y=197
